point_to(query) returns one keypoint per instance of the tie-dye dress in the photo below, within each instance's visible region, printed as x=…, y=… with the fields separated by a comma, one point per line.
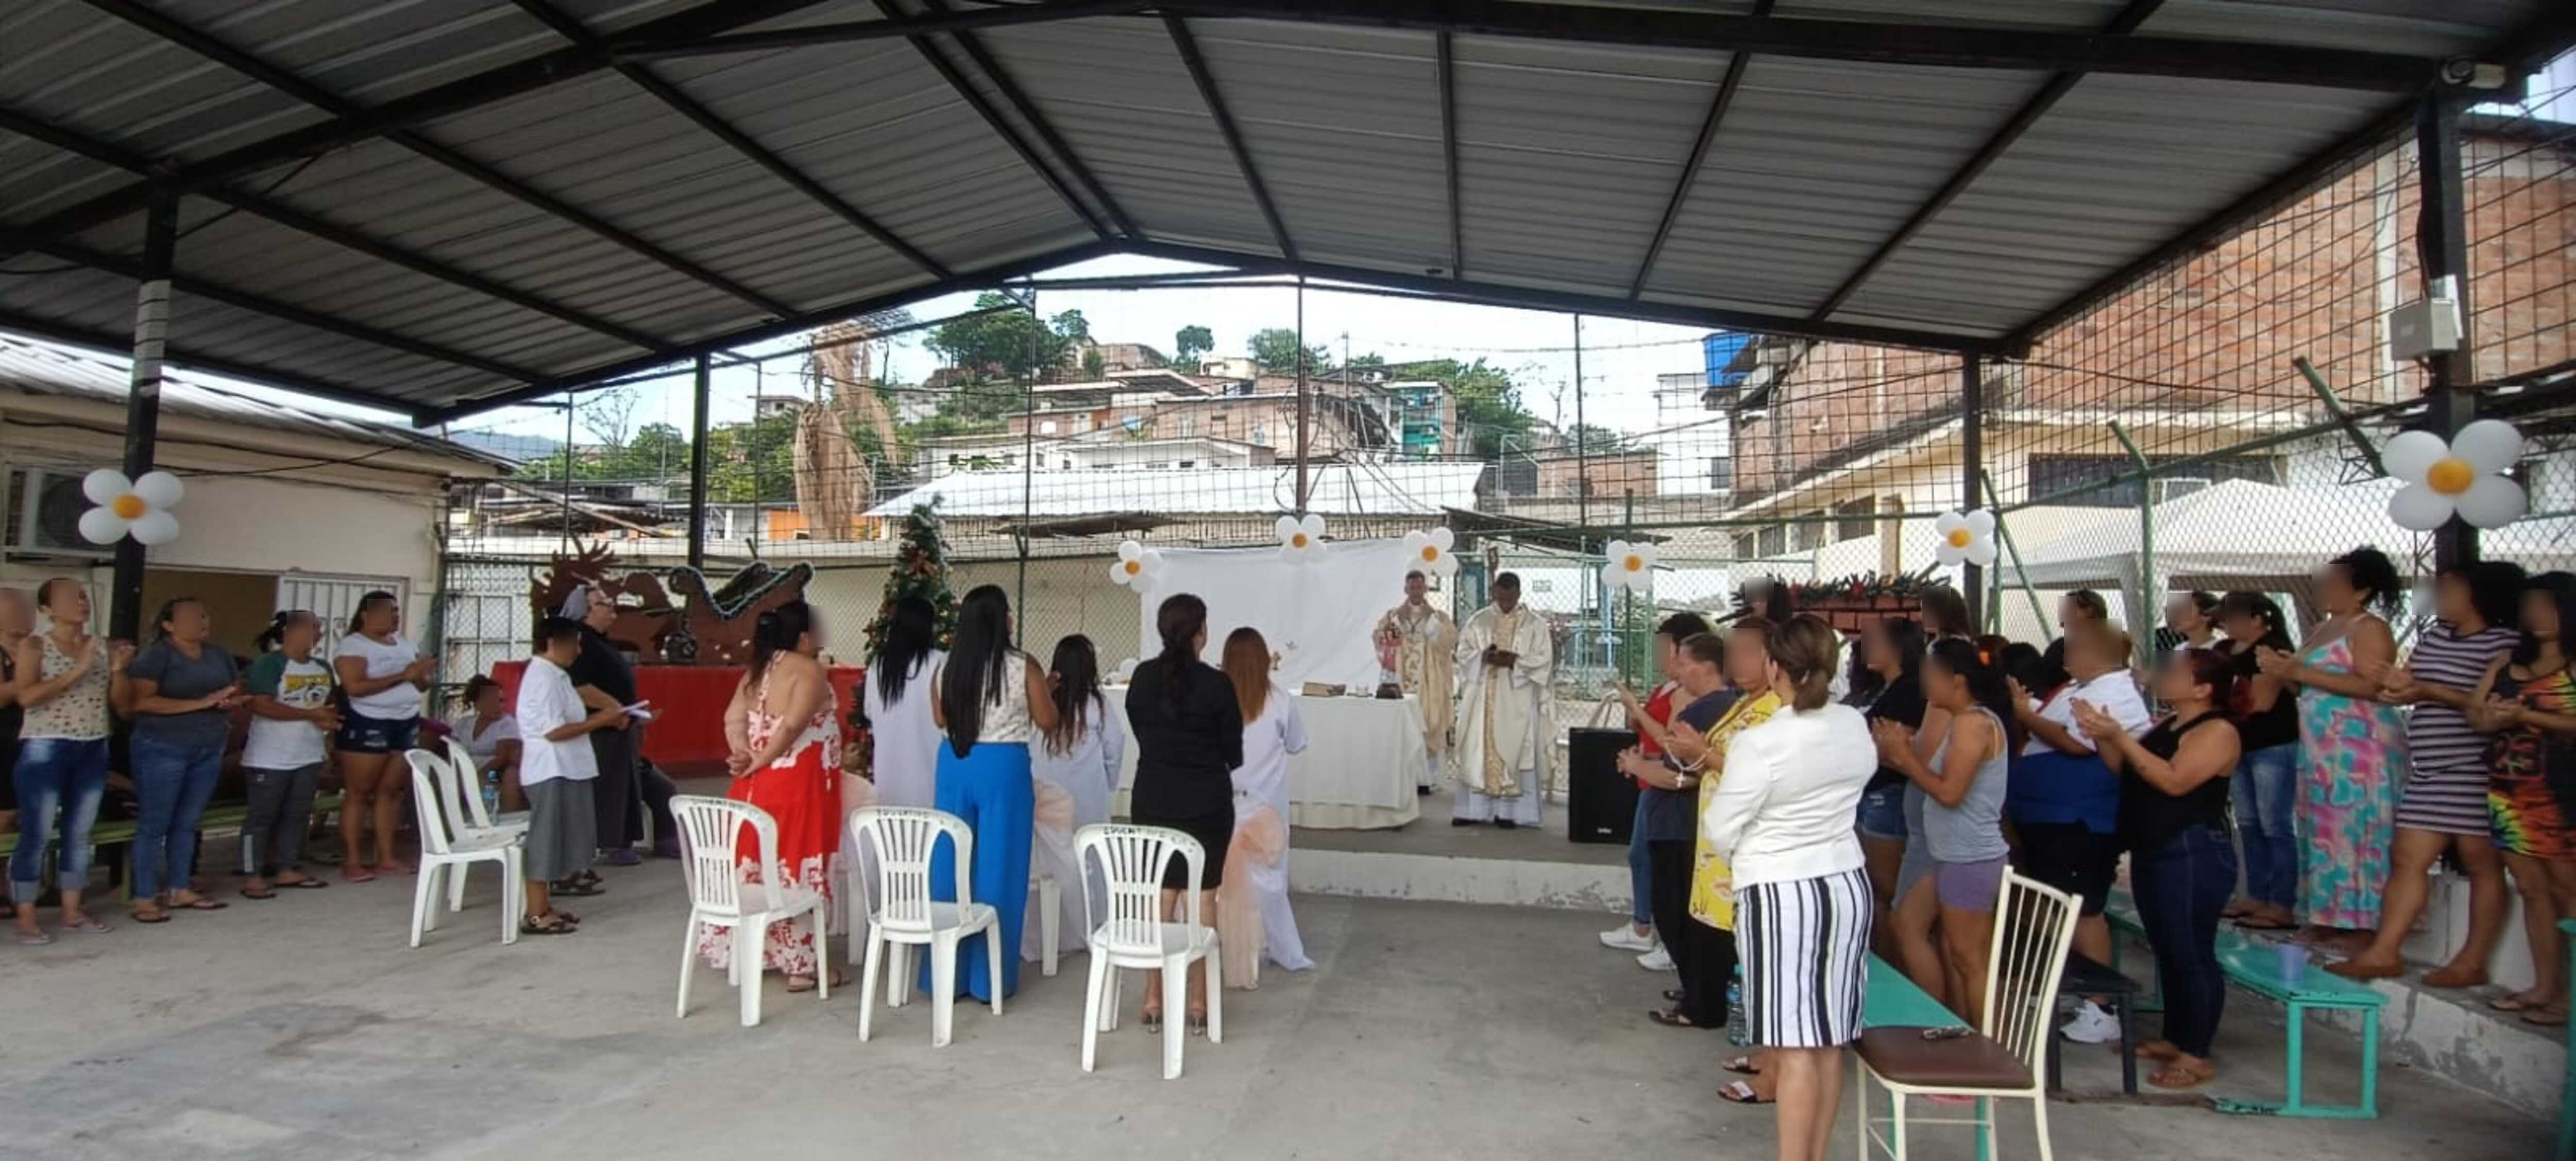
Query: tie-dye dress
x=2352, y=759
x=2531, y=779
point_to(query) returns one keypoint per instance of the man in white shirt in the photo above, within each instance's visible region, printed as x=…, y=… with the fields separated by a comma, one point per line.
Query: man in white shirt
x=556, y=769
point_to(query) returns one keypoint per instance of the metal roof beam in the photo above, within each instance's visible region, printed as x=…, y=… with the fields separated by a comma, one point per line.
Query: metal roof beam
x=295, y=219
x=988, y=278
x=315, y=95
x=1941, y=45
x=740, y=142
x=122, y=346
x=2127, y=21
x=1736, y=63
x=1445, y=64
x=1188, y=47
x=640, y=46
x=975, y=99
x=973, y=47
x=17, y=239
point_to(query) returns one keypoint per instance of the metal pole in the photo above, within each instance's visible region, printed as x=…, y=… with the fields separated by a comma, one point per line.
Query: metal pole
x=1305, y=398
x=2343, y=419
x=698, y=469
x=143, y=399
x=2145, y=639
x=1582, y=461
x=1994, y=504
x=1972, y=402
x=569, y=400
x=1028, y=476
x=2442, y=235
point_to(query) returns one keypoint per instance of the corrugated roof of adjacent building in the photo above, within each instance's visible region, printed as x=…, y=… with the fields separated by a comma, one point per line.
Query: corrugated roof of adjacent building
x=1334, y=490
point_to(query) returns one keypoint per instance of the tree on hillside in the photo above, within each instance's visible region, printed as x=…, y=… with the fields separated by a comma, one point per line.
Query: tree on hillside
x=1489, y=403
x=1594, y=439
x=1008, y=344
x=1275, y=350
x=1192, y=341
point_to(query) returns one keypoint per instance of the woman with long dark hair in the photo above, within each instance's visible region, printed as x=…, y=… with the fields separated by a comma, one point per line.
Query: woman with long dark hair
x=382, y=674
x=2173, y=820
x=897, y=702
x=2352, y=746
x=2265, y=788
x=993, y=704
x=1890, y=652
x=784, y=735
x=1960, y=789
x=1076, y=770
x=2528, y=705
x=1272, y=730
x=181, y=693
x=1189, y=740
x=291, y=722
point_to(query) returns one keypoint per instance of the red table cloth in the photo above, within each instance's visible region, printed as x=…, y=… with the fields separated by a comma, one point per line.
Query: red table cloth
x=688, y=707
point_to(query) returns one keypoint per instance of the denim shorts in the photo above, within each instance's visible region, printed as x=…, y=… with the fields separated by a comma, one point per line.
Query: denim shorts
x=365, y=735
x=1882, y=811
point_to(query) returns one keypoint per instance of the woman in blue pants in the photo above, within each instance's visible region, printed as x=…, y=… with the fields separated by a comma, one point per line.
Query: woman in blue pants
x=992, y=702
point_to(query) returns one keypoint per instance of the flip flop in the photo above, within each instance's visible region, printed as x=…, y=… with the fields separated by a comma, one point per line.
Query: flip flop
x=806, y=983
x=2177, y=1076
x=1738, y=1092
x=2511, y=1004
x=304, y=885
x=89, y=925
x=140, y=917
x=1742, y=1066
x=361, y=875
x=2263, y=925
x=1670, y=1019
x=247, y=893
x=200, y=903
x=2546, y=1017
x=39, y=939
x=578, y=890
x=558, y=927
x=1673, y=994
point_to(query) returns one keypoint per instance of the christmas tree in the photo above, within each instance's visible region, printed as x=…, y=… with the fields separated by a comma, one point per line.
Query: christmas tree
x=920, y=570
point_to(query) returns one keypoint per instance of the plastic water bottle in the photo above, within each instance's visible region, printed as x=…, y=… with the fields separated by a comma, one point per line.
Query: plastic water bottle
x=1735, y=1009
x=491, y=797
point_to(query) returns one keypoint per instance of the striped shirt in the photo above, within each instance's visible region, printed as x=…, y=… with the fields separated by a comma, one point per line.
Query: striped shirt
x=2439, y=737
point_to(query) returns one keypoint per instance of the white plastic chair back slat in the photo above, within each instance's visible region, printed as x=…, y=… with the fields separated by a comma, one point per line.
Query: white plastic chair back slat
x=1134, y=861
x=469, y=782
x=906, y=841
x=710, y=840
x=2034, y=926
x=433, y=782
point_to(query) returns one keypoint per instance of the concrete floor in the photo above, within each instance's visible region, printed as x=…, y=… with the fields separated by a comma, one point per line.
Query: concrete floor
x=303, y=1028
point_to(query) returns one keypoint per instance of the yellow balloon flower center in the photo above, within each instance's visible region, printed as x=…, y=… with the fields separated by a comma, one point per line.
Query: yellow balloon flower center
x=1633, y=563
x=1298, y=540
x=1430, y=552
x=1959, y=538
x=1135, y=567
x=127, y=507
x=2450, y=475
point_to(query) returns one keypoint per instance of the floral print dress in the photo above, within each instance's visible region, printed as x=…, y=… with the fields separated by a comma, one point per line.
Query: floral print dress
x=800, y=791
x=2352, y=760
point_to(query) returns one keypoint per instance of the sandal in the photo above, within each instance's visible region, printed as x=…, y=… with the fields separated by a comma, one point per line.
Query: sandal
x=2513, y=1003
x=1672, y=1018
x=1738, y=1092
x=39, y=939
x=576, y=888
x=567, y=916
x=88, y=925
x=1198, y=1022
x=1742, y=1066
x=264, y=893
x=359, y=875
x=307, y=883
x=806, y=983
x=147, y=913
x=1673, y=995
x=2546, y=1017
x=2182, y=1076
x=547, y=924
x=2160, y=1051
x=199, y=903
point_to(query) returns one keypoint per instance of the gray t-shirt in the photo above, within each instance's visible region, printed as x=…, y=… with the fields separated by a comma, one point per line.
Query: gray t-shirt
x=179, y=676
x=1973, y=831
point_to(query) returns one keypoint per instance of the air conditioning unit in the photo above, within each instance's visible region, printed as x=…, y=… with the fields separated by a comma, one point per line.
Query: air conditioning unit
x=49, y=505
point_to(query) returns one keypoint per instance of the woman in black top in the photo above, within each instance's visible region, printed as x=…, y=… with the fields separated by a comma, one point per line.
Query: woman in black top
x=1189, y=739
x=2173, y=819
x=2266, y=785
x=1892, y=648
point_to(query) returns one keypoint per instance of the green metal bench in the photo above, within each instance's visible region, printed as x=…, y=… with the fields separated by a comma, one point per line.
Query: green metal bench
x=226, y=818
x=2567, y=1083
x=2255, y=966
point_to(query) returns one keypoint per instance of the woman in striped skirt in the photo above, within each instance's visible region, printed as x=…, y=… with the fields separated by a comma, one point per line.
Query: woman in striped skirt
x=1781, y=818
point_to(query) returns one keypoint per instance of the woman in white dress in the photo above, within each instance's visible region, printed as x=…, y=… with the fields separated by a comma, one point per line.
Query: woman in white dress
x=1256, y=880
x=1075, y=768
x=897, y=701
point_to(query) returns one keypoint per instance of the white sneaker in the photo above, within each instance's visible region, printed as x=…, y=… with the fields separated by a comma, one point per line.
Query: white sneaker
x=1625, y=938
x=2092, y=1025
x=1657, y=960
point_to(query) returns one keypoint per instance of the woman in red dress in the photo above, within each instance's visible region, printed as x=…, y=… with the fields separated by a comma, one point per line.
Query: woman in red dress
x=786, y=759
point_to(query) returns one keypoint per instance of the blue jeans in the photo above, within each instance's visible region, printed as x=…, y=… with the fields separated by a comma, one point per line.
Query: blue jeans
x=57, y=779
x=1641, y=875
x=2181, y=886
x=173, y=782
x=2266, y=793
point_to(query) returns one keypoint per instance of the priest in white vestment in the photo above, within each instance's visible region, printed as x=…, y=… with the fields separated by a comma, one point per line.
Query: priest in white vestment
x=1500, y=759
x=1418, y=647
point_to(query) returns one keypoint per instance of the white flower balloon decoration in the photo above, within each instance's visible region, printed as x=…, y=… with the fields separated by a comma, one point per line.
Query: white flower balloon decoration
x=139, y=508
x=1136, y=566
x=2464, y=476
x=1429, y=551
x=1300, y=539
x=1969, y=538
x=1630, y=566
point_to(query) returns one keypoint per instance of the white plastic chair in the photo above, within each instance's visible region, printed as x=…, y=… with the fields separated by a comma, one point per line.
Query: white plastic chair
x=462, y=804
x=710, y=829
x=470, y=785
x=1134, y=934
x=902, y=914
x=442, y=854
x=2034, y=925
x=1050, y=899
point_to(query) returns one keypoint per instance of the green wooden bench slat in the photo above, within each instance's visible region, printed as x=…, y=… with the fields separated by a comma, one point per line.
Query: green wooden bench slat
x=2567, y=1083
x=1891, y=999
x=228, y=816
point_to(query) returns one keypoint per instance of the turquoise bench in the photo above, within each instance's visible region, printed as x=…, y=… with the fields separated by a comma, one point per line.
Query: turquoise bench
x=2567, y=1083
x=2255, y=966
x=1888, y=999
x=220, y=819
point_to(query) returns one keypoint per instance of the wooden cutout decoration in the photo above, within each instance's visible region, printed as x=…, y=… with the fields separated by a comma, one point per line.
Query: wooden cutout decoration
x=714, y=628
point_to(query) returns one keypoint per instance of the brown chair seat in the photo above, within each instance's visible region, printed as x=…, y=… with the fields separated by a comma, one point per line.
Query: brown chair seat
x=1901, y=1055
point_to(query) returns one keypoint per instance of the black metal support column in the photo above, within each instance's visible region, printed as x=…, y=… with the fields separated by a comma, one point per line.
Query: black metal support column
x=698, y=467
x=1305, y=402
x=2442, y=235
x=1972, y=463
x=143, y=398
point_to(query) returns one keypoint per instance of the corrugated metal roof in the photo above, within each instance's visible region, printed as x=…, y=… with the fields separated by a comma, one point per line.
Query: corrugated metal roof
x=47, y=369
x=643, y=232
x=1334, y=490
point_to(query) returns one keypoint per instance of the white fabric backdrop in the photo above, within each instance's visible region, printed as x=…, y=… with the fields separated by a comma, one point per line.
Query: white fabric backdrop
x=1316, y=616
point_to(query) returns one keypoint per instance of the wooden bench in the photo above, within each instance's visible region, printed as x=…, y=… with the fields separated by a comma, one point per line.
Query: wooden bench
x=223, y=818
x=2255, y=966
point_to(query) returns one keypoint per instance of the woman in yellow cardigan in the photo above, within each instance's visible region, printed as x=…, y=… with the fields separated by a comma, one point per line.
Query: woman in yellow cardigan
x=1712, y=898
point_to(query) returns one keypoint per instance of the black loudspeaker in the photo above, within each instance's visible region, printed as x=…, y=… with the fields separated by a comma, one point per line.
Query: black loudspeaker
x=1600, y=802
